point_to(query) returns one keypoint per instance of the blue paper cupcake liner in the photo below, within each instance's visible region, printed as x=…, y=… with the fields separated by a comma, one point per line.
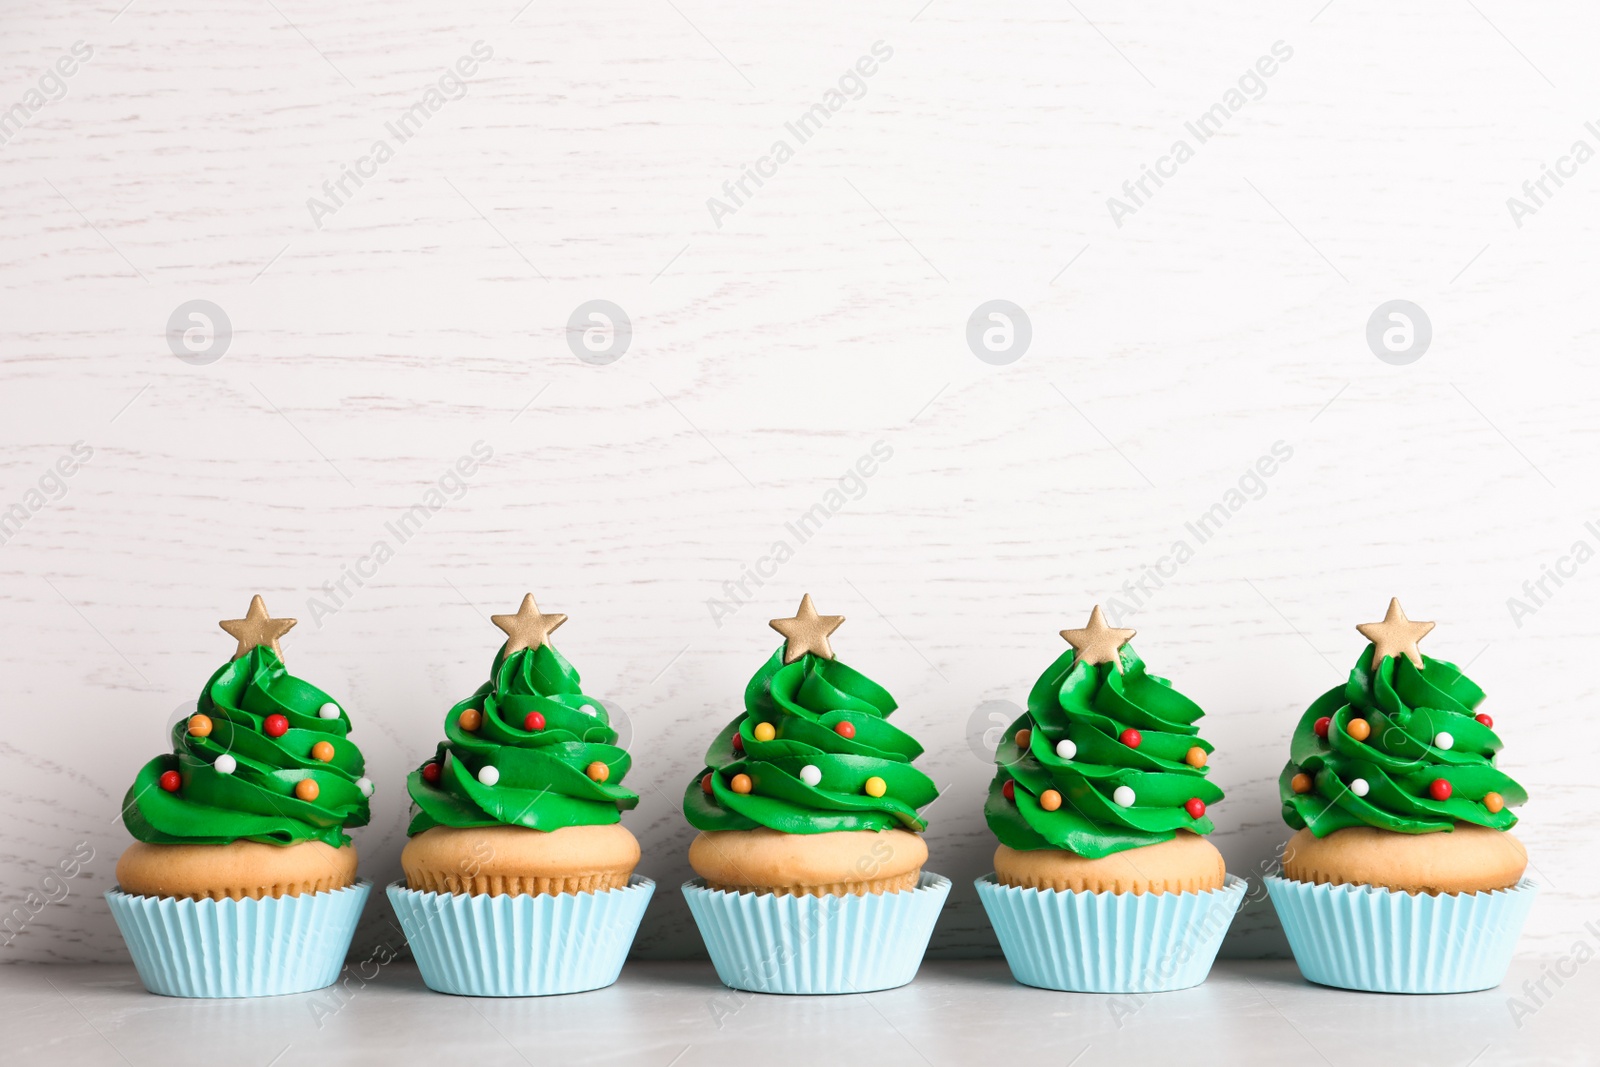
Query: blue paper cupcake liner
x=1383, y=941
x=239, y=948
x=521, y=945
x=1109, y=942
x=768, y=943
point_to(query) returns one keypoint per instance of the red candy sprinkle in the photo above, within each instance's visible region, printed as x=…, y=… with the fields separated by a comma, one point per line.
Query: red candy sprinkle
x=1009, y=791
x=534, y=722
x=738, y=743
x=705, y=785
x=1439, y=789
x=1195, y=807
x=170, y=781
x=1130, y=737
x=275, y=726
x=1322, y=725
x=1486, y=720
x=430, y=772
x=846, y=730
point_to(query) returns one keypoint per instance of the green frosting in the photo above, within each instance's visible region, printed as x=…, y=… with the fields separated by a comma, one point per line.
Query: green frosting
x=1091, y=705
x=804, y=701
x=1407, y=708
x=543, y=781
x=256, y=802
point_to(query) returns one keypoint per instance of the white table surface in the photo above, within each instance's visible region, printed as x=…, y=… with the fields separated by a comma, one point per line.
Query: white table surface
x=677, y=1014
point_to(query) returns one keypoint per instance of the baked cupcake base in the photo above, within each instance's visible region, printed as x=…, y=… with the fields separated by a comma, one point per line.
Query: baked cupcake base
x=1186, y=864
x=839, y=863
x=1468, y=859
x=237, y=871
x=514, y=860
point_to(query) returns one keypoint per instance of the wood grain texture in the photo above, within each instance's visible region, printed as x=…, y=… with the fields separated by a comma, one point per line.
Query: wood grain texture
x=826, y=314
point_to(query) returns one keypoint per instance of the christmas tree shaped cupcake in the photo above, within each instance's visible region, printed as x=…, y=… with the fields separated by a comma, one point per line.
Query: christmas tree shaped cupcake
x=245, y=821
x=1103, y=881
x=519, y=872
x=810, y=852
x=1402, y=875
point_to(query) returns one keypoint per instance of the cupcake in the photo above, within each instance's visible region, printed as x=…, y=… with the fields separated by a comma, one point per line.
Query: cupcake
x=810, y=852
x=1103, y=882
x=242, y=880
x=1402, y=875
x=519, y=872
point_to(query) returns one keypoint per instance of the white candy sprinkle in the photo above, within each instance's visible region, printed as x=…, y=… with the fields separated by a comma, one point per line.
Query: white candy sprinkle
x=1124, y=796
x=1066, y=749
x=365, y=785
x=1444, y=741
x=489, y=775
x=330, y=710
x=1359, y=787
x=810, y=775
x=226, y=764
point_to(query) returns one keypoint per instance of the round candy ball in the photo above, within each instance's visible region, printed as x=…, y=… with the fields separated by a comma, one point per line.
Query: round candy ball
x=330, y=710
x=1124, y=796
x=1195, y=807
x=1009, y=790
x=1359, y=787
x=1130, y=737
x=1360, y=729
x=846, y=730
x=365, y=785
x=597, y=771
x=170, y=781
x=1440, y=789
x=1195, y=757
x=1023, y=737
x=705, y=785
x=811, y=774
x=875, y=787
x=307, y=790
x=200, y=726
x=225, y=764
x=489, y=775
x=1050, y=800
x=1494, y=802
x=275, y=726
x=1444, y=740
x=1320, y=727
x=763, y=731
x=1485, y=720
x=1066, y=749
x=430, y=772
x=322, y=750
x=738, y=743
x=470, y=719
x=533, y=722
x=1300, y=783
x=741, y=783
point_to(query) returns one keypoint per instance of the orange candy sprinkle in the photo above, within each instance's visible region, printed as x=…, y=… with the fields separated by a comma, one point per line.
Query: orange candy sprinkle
x=741, y=783
x=598, y=771
x=470, y=720
x=1360, y=729
x=1050, y=800
x=322, y=750
x=1300, y=783
x=764, y=732
x=1022, y=738
x=1195, y=757
x=199, y=726
x=1494, y=802
x=705, y=785
x=306, y=789
x=875, y=787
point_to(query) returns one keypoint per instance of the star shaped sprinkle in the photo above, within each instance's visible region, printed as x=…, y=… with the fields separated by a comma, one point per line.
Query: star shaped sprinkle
x=1396, y=635
x=257, y=628
x=528, y=628
x=1097, y=642
x=807, y=631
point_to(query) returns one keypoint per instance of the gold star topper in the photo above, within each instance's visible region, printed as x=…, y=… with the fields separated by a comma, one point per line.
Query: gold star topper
x=528, y=628
x=1396, y=635
x=807, y=631
x=257, y=628
x=1097, y=642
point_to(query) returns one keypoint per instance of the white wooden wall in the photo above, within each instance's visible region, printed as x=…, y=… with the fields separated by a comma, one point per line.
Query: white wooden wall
x=826, y=313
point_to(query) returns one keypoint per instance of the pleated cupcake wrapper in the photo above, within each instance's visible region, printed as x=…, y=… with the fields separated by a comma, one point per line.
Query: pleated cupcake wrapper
x=1382, y=941
x=239, y=948
x=1109, y=942
x=767, y=943
x=521, y=945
